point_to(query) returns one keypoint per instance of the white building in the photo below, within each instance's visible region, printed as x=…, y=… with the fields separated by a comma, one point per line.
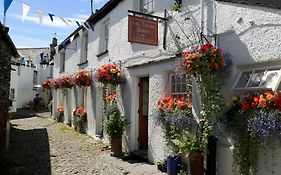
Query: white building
x=27, y=76
x=248, y=33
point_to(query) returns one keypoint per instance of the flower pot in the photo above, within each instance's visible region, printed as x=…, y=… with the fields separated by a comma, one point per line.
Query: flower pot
x=116, y=146
x=196, y=163
x=172, y=165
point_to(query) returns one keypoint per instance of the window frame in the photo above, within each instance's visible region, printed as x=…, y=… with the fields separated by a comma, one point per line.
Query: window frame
x=62, y=61
x=179, y=94
x=142, y=5
x=84, y=47
x=12, y=94
x=35, y=77
x=106, y=35
x=263, y=79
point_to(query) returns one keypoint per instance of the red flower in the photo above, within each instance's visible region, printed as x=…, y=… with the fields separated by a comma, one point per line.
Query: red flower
x=245, y=106
x=206, y=47
x=277, y=101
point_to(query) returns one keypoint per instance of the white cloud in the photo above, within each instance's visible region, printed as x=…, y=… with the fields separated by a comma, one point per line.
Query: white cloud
x=22, y=41
x=47, y=21
x=81, y=16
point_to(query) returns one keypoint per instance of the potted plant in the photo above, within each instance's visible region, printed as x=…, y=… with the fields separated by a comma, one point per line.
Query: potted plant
x=66, y=82
x=47, y=84
x=115, y=124
x=60, y=114
x=80, y=118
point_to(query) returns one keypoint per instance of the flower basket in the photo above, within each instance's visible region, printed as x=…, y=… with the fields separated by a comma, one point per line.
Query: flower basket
x=206, y=59
x=254, y=122
x=82, y=78
x=66, y=82
x=56, y=83
x=110, y=74
x=80, y=118
x=59, y=117
x=47, y=84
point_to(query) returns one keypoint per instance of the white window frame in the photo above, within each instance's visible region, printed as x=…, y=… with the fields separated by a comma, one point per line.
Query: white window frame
x=35, y=77
x=265, y=78
x=143, y=4
x=174, y=92
x=104, y=37
x=12, y=94
x=84, y=46
x=62, y=61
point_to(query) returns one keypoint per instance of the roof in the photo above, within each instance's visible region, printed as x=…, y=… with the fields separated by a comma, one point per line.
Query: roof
x=31, y=53
x=94, y=18
x=4, y=34
x=110, y=5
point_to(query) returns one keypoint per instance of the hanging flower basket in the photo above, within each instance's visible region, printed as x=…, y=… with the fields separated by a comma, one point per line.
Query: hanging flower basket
x=83, y=78
x=56, y=83
x=206, y=59
x=47, y=84
x=110, y=74
x=66, y=82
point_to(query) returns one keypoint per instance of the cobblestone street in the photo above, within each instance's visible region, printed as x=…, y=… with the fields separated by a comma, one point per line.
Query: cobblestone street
x=42, y=146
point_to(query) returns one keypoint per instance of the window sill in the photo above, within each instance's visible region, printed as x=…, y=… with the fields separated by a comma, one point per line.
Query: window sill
x=103, y=53
x=83, y=63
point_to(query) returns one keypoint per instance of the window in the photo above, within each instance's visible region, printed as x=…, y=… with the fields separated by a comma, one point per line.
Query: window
x=179, y=86
x=84, y=47
x=147, y=6
x=62, y=61
x=259, y=79
x=51, y=71
x=106, y=35
x=35, y=76
x=12, y=94
x=268, y=3
x=104, y=38
x=19, y=69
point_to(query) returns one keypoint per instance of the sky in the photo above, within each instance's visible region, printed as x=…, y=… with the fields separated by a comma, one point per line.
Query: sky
x=31, y=34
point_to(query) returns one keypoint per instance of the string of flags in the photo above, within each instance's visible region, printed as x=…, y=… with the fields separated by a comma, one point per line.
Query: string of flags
x=26, y=8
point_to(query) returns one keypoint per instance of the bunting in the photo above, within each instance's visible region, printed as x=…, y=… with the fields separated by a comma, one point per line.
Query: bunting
x=40, y=16
x=7, y=4
x=51, y=17
x=25, y=10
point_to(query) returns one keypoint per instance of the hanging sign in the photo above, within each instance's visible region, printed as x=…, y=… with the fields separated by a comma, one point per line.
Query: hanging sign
x=142, y=30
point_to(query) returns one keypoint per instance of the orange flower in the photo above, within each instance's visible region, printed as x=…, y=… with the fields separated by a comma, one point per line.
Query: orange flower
x=216, y=66
x=262, y=102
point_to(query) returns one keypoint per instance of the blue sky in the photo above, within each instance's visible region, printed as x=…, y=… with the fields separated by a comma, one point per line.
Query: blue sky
x=30, y=33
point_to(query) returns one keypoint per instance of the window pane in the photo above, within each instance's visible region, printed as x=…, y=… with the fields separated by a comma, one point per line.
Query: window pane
x=245, y=76
x=256, y=78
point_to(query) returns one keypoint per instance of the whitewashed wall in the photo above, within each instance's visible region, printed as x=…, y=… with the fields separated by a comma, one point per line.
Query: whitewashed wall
x=245, y=43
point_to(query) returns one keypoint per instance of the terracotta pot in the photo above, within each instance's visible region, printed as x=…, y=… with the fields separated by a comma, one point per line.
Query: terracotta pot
x=116, y=146
x=196, y=163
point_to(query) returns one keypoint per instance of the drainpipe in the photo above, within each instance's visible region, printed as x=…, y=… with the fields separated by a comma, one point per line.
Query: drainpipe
x=202, y=20
x=211, y=155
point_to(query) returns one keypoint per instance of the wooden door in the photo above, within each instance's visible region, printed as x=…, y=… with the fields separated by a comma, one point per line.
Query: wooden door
x=143, y=112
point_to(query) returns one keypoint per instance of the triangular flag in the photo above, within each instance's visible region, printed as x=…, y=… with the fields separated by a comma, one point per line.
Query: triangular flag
x=25, y=10
x=7, y=4
x=77, y=23
x=64, y=20
x=51, y=17
x=71, y=38
x=40, y=16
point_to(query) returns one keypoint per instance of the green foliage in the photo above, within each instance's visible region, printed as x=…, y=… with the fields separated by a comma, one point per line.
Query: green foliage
x=79, y=124
x=59, y=117
x=176, y=7
x=115, y=123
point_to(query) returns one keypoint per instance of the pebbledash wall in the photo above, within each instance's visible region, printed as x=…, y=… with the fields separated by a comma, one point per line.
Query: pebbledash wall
x=249, y=34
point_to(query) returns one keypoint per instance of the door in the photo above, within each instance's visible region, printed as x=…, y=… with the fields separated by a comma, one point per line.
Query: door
x=143, y=112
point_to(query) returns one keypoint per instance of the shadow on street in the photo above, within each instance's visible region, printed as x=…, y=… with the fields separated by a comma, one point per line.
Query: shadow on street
x=31, y=151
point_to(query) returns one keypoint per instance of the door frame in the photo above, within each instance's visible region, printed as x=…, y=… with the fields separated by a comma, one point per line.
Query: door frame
x=139, y=112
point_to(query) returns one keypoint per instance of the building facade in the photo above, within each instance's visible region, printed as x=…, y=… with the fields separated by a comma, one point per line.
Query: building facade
x=247, y=33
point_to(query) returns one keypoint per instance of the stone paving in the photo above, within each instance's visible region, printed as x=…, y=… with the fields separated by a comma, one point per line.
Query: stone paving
x=45, y=147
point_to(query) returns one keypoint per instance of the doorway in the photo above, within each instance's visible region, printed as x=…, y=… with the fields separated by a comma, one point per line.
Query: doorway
x=143, y=113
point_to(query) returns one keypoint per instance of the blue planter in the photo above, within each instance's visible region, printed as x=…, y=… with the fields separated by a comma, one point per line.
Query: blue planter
x=172, y=164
